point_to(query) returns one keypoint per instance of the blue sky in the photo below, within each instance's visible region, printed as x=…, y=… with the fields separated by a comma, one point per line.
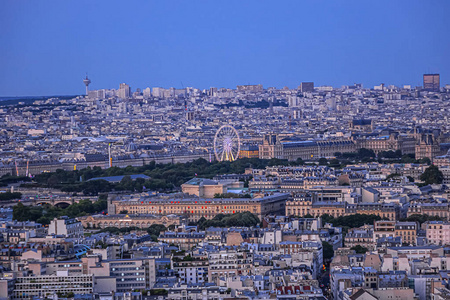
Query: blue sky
x=47, y=47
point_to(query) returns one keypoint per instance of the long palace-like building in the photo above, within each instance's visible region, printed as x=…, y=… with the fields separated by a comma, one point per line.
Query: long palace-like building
x=125, y=220
x=388, y=211
x=194, y=208
x=274, y=147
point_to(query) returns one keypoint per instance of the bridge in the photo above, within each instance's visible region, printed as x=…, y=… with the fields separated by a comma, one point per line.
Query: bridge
x=61, y=202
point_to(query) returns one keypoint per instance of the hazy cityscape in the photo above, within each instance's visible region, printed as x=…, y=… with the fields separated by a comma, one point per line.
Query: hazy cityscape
x=249, y=192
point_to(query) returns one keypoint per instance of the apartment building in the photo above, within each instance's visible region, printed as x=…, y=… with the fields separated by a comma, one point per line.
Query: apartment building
x=438, y=232
x=48, y=285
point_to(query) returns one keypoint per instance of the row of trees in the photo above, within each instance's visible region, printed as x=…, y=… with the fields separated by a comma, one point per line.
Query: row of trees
x=351, y=221
x=44, y=214
x=422, y=218
x=10, y=196
x=8, y=179
x=154, y=230
x=244, y=219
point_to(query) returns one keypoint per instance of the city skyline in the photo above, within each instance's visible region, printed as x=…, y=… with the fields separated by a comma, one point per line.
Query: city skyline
x=235, y=150
x=206, y=45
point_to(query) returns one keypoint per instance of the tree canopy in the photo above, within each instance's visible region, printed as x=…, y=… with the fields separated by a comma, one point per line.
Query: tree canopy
x=328, y=251
x=244, y=219
x=10, y=196
x=163, y=177
x=351, y=221
x=422, y=218
x=432, y=175
x=154, y=230
x=359, y=249
x=44, y=214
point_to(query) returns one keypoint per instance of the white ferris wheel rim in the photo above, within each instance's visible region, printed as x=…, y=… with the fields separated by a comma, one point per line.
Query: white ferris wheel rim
x=227, y=144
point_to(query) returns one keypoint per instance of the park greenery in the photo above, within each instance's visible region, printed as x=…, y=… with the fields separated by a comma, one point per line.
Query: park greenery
x=45, y=213
x=163, y=177
x=9, y=179
x=169, y=177
x=243, y=219
x=10, y=196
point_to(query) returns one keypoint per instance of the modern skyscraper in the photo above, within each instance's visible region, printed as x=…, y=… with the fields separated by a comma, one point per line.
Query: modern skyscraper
x=431, y=82
x=87, y=81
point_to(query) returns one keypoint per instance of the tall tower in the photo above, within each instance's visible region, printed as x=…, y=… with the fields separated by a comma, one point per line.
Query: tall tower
x=87, y=81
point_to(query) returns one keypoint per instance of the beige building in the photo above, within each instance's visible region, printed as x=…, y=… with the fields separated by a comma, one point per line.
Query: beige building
x=66, y=227
x=274, y=146
x=431, y=209
x=207, y=188
x=194, y=208
x=337, y=209
x=383, y=229
x=438, y=232
x=407, y=231
x=427, y=146
x=392, y=142
x=362, y=236
x=123, y=221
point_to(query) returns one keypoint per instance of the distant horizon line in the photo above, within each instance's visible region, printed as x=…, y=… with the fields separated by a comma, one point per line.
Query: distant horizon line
x=6, y=98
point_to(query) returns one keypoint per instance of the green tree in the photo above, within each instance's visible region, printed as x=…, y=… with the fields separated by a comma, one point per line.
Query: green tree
x=328, y=251
x=244, y=219
x=432, y=175
x=350, y=221
x=391, y=176
x=10, y=196
x=323, y=161
x=335, y=163
x=366, y=153
x=359, y=249
x=158, y=292
x=422, y=218
x=407, y=159
x=20, y=212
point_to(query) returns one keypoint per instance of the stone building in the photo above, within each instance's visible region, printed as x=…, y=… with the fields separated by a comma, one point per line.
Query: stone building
x=275, y=147
x=123, y=221
x=194, y=209
x=427, y=146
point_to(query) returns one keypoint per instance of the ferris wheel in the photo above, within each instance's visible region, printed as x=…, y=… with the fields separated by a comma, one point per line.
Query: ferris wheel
x=227, y=144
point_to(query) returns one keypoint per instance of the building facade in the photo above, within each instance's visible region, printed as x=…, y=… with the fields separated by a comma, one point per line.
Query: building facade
x=194, y=208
